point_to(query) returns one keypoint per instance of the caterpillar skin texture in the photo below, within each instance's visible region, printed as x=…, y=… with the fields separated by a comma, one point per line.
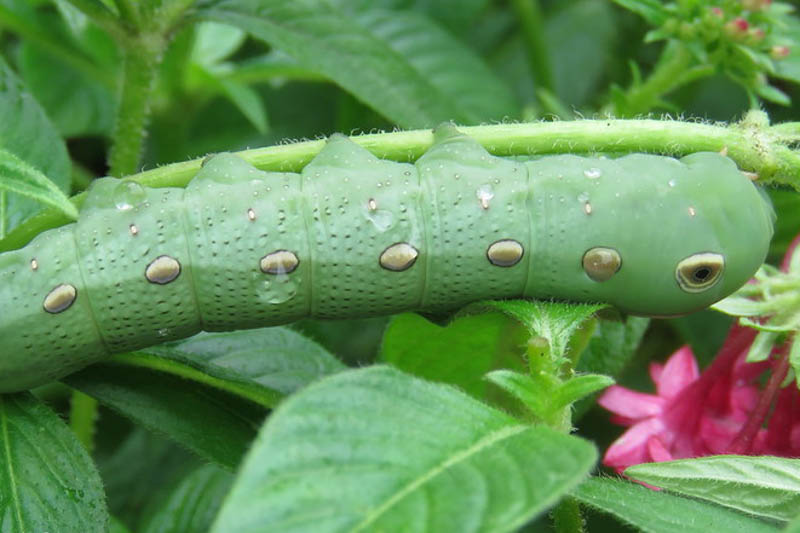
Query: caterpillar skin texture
x=354, y=235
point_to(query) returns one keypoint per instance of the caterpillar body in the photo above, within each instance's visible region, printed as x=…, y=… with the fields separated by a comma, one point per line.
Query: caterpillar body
x=353, y=235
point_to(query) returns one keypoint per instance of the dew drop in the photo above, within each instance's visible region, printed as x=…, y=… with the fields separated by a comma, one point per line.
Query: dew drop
x=593, y=173
x=671, y=183
x=382, y=219
x=280, y=289
x=128, y=194
x=484, y=193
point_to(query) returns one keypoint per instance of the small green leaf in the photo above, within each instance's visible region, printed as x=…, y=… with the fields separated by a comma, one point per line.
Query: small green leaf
x=247, y=101
x=377, y=450
x=47, y=480
x=773, y=94
x=659, y=512
x=214, y=42
x=762, y=346
x=763, y=486
x=533, y=394
x=459, y=354
x=553, y=321
x=19, y=177
x=579, y=387
x=26, y=132
x=740, y=306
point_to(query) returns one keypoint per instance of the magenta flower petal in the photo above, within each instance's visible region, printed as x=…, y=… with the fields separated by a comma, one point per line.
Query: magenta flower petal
x=658, y=452
x=632, y=447
x=679, y=371
x=630, y=404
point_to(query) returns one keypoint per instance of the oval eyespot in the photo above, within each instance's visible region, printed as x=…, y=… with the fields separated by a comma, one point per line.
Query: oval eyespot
x=601, y=263
x=700, y=272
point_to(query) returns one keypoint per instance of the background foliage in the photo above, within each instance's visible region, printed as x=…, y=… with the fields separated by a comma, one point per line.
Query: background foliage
x=97, y=87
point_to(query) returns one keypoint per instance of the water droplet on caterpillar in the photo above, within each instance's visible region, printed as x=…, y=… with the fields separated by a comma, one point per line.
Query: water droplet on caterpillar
x=280, y=288
x=128, y=194
x=484, y=193
x=382, y=219
x=671, y=183
x=593, y=173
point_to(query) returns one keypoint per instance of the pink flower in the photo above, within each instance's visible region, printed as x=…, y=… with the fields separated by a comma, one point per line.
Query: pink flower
x=690, y=414
x=720, y=411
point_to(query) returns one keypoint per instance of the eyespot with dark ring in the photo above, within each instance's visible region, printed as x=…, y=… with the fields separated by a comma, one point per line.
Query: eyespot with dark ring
x=699, y=272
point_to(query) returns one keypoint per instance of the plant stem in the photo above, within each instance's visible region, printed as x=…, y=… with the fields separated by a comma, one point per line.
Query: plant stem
x=754, y=149
x=671, y=71
x=140, y=66
x=82, y=415
x=529, y=16
x=567, y=516
x=743, y=442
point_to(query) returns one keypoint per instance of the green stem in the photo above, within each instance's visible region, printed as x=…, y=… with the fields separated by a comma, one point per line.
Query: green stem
x=140, y=67
x=529, y=16
x=754, y=149
x=671, y=71
x=82, y=417
x=567, y=516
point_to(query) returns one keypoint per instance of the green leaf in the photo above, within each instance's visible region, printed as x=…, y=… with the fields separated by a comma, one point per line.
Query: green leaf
x=762, y=346
x=653, y=11
x=371, y=63
x=76, y=103
x=19, y=177
x=215, y=42
x=579, y=387
x=247, y=101
x=763, y=486
x=612, y=345
x=773, y=94
x=214, y=425
x=526, y=389
x=278, y=359
x=47, y=480
x=138, y=464
x=459, y=354
x=26, y=132
x=191, y=505
x=793, y=526
x=659, y=512
x=377, y=450
x=554, y=321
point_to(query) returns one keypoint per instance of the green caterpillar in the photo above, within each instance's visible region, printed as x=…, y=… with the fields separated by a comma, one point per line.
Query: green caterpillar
x=354, y=235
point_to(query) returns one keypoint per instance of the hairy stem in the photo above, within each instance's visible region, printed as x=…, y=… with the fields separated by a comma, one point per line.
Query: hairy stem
x=140, y=66
x=754, y=148
x=672, y=70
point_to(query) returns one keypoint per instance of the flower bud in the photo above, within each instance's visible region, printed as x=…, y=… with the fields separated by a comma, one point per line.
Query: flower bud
x=756, y=5
x=779, y=51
